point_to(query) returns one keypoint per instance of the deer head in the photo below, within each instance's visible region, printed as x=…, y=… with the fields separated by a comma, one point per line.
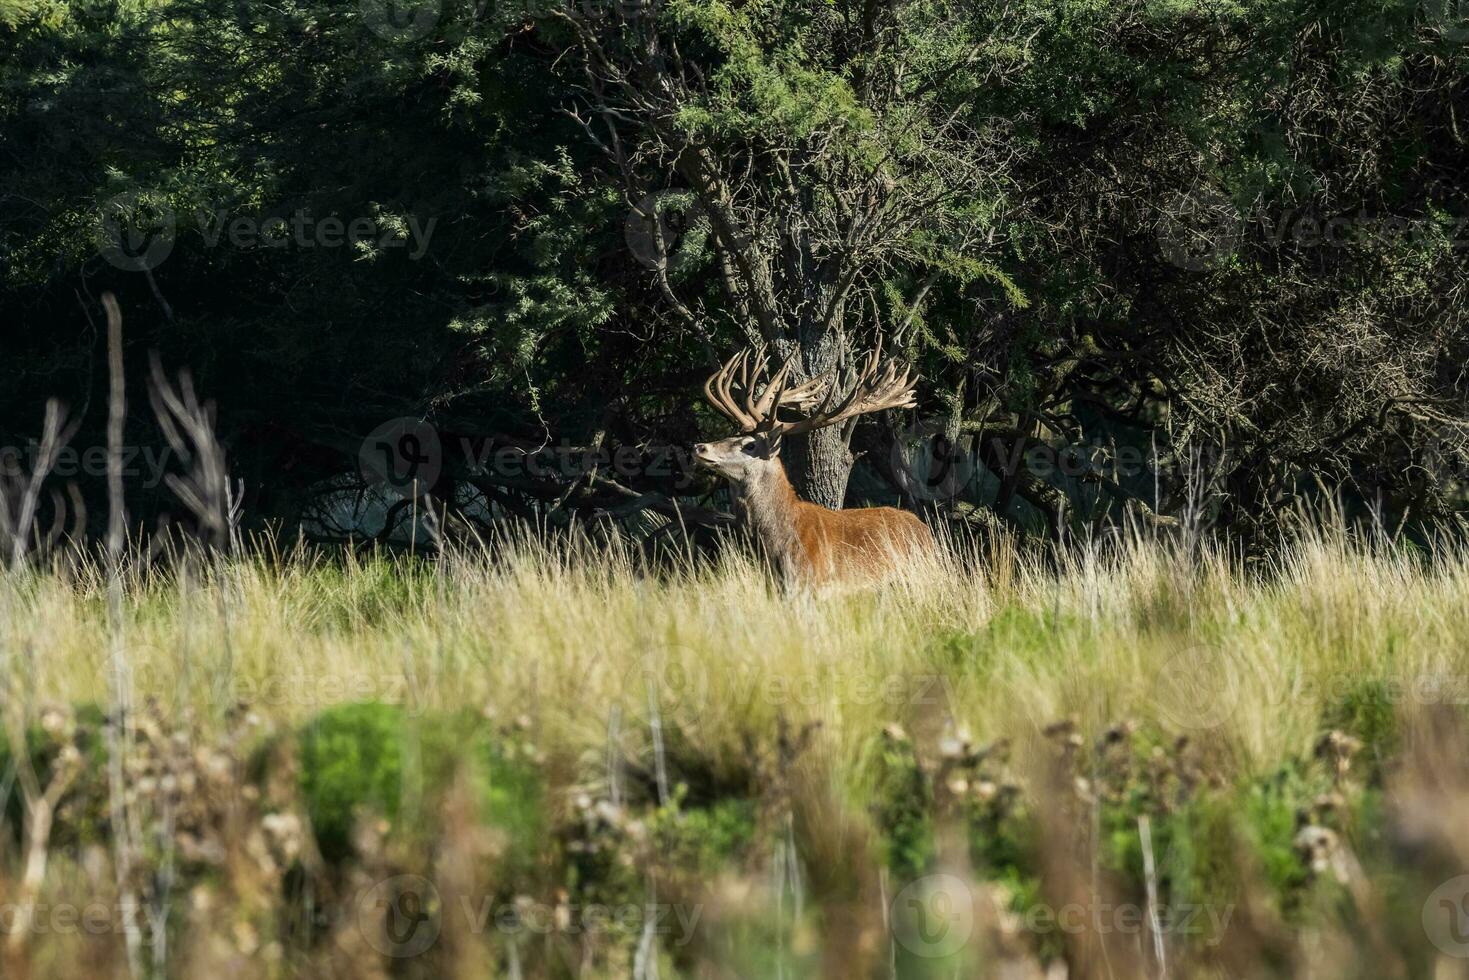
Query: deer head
x=808, y=542
x=782, y=408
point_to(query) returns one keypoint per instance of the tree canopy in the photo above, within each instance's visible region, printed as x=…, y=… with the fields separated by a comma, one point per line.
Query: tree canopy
x=1156, y=258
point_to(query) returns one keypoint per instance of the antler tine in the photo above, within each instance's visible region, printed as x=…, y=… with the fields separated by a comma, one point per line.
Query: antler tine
x=802, y=395
x=775, y=393
x=717, y=391
x=843, y=404
x=713, y=389
x=781, y=394
x=748, y=376
x=877, y=386
x=748, y=419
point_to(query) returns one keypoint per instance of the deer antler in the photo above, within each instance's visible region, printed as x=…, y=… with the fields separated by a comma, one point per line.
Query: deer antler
x=878, y=385
x=760, y=414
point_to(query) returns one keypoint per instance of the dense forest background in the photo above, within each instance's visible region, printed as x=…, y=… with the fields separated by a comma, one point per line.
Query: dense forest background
x=1172, y=259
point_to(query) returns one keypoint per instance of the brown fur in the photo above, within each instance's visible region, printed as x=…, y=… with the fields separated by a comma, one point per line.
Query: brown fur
x=810, y=542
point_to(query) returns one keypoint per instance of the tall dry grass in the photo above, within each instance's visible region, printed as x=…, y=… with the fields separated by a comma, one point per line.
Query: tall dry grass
x=711, y=669
x=1002, y=643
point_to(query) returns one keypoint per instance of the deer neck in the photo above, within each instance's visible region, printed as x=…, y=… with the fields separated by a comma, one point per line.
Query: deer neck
x=768, y=504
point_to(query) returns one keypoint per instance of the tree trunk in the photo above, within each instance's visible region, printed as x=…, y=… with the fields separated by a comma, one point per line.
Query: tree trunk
x=819, y=465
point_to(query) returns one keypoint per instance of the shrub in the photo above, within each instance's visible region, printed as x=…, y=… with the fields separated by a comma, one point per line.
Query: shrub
x=373, y=758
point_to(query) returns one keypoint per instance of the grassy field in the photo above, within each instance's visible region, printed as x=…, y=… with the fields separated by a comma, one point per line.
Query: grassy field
x=1136, y=760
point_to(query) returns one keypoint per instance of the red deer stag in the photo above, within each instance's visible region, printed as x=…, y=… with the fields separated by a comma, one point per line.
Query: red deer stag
x=808, y=542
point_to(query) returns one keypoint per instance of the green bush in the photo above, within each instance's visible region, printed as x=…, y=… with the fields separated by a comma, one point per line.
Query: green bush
x=902, y=809
x=705, y=840
x=1368, y=712
x=372, y=758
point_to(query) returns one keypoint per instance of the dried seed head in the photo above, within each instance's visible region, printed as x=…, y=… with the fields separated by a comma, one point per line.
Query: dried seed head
x=54, y=721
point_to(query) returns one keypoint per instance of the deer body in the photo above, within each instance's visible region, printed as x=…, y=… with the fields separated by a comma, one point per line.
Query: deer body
x=809, y=542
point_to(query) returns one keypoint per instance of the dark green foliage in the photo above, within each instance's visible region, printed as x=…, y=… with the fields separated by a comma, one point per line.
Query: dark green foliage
x=1368, y=711
x=902, y=809
x=703, y=841
x=370, y=759
x=1004, y=847
x=1272, y=812
x=1200, y=859
x=599, y=861
x=1060, y=296
x=351, y=766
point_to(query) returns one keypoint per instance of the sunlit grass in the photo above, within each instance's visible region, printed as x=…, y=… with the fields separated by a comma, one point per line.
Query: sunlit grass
x=563, y=635
x=848, y=730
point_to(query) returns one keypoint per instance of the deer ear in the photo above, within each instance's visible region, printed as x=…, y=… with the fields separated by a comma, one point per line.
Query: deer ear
x=773, y=441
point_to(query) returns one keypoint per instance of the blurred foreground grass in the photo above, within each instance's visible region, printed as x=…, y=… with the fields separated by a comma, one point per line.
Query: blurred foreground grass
x=1139, y=760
